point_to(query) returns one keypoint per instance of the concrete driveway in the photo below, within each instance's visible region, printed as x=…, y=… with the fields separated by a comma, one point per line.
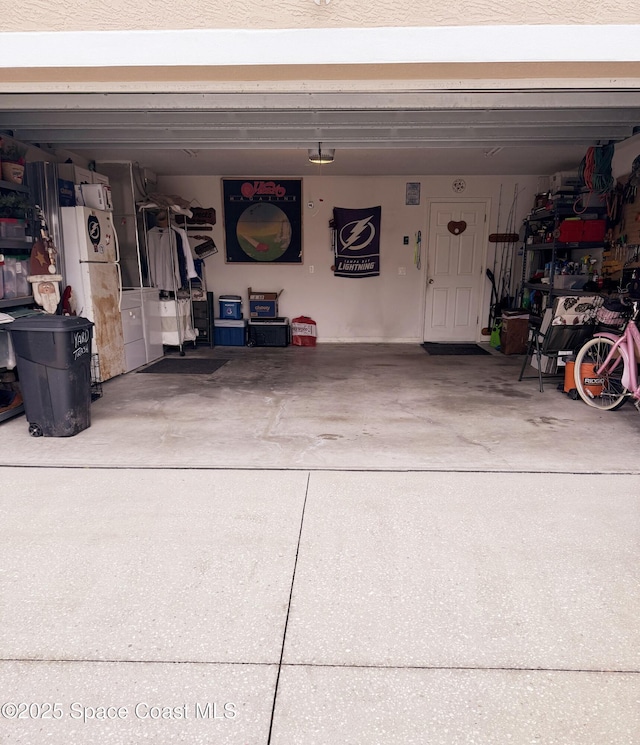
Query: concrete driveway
x=348, y=544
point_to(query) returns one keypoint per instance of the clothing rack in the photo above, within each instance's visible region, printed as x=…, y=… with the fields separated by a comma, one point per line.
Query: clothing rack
x=171, y=272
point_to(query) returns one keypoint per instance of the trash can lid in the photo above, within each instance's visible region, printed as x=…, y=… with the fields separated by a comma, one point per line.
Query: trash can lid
x=50, y=323
x=230, y=298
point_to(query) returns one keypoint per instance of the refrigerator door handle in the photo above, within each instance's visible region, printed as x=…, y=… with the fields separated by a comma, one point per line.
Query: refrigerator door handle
x=117, y=263
x=119, y=287
x=116, y=242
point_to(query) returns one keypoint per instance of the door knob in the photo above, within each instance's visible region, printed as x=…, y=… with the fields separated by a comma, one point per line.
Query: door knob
x=430, y=281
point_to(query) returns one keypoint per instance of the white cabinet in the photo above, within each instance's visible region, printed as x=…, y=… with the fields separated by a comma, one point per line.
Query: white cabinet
x=135, y=351
x=152, y=323
x=141, y=327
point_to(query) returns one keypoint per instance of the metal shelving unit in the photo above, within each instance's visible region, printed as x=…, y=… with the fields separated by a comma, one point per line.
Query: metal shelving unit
x=16, y=301
x=14, y=187
x=14, y=305
x=547, y=221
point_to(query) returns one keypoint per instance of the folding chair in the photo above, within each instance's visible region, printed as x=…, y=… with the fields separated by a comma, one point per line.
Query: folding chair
x=562, y=330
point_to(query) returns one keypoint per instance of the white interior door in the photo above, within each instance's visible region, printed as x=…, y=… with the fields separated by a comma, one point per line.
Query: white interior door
x=454, y=271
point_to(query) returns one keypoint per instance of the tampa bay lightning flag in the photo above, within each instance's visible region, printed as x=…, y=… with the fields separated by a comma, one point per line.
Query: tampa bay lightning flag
x=357, y=242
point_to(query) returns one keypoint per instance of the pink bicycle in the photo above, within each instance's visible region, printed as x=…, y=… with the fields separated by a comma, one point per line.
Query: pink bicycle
x=606, y=367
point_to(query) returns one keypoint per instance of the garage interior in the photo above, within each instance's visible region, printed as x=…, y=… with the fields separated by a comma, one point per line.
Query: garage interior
x=499, y=149
x=354, y=542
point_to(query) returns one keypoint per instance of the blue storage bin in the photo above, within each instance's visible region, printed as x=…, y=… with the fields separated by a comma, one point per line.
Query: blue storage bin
x=230, y=306
x=229, y=332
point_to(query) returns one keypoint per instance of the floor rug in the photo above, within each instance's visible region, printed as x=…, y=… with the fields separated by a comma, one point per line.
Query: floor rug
x=452, y=349
x=184, y=365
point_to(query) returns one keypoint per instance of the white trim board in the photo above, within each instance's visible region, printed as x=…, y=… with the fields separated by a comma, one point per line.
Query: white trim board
x=322, y=46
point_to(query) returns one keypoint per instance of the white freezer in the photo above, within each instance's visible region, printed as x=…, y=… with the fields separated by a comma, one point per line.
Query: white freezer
x=88, y=235
x=98, y=304
x=89, y=250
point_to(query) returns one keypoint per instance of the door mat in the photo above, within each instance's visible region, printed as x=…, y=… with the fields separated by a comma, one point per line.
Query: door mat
x=435, y=349
x=184, y=365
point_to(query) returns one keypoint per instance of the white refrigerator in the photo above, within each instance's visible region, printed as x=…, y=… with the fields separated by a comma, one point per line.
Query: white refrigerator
x=91, y=268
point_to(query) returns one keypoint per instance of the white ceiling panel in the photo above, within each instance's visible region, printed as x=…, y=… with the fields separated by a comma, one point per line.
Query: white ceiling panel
x=431, y=132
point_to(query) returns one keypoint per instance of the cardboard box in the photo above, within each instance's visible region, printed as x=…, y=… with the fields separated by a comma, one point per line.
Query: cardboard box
x=66, y=193
x=99, y=178
x=97, y=196
x=514, y=337
x=75, y=174
x=263, y=304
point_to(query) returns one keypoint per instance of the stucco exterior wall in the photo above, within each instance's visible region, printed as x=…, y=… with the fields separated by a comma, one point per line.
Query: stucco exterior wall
x=81, y=15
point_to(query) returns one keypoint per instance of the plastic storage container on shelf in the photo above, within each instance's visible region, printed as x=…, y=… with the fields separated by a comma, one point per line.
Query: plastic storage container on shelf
x=9, y=277
x=230, y=306
x=14, y=282
x=53, y=356
x=13, y=228
x=23, y=288
x=229, y=332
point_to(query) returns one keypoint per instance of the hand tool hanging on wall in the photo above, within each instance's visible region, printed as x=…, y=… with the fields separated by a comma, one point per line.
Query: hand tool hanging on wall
x=503, y=237
x=417, y=254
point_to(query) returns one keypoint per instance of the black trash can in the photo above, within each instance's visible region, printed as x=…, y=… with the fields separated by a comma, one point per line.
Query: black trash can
x=53, y=355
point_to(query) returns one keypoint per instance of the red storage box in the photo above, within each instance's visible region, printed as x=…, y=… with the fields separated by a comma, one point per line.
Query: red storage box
x=593, y=230
x=570, y=231
x=581, y=231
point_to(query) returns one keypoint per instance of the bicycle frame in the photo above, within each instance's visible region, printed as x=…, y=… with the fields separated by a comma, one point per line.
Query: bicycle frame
x=626, y=348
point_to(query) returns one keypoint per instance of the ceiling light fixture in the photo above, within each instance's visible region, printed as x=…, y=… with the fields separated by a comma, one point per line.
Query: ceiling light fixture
x=321, y=156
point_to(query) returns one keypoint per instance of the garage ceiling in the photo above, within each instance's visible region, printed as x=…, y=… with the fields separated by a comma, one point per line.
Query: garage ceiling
x=400, y=133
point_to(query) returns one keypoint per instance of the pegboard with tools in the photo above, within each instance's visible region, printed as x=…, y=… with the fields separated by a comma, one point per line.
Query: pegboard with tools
x=624, y=251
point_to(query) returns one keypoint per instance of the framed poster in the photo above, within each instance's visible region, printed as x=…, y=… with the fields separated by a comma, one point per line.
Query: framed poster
x=412, y=195
x=262, y=221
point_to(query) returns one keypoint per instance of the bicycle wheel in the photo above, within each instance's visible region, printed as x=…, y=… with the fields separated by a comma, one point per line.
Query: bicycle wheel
x=604, y=390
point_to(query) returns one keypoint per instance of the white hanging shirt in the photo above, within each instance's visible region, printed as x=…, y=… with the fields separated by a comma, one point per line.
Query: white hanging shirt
x=164, y=271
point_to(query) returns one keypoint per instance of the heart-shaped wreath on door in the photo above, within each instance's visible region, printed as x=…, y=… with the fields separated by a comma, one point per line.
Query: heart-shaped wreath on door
x=456, y=227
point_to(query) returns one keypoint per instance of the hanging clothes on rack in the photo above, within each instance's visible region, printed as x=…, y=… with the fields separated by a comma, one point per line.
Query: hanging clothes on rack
x=171, y=263
x=185, y=249
x=171, y=267
x=164, y=271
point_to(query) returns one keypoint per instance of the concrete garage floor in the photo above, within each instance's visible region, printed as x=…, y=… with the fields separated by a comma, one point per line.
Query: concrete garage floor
x=349, y=544
x=371, y=407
